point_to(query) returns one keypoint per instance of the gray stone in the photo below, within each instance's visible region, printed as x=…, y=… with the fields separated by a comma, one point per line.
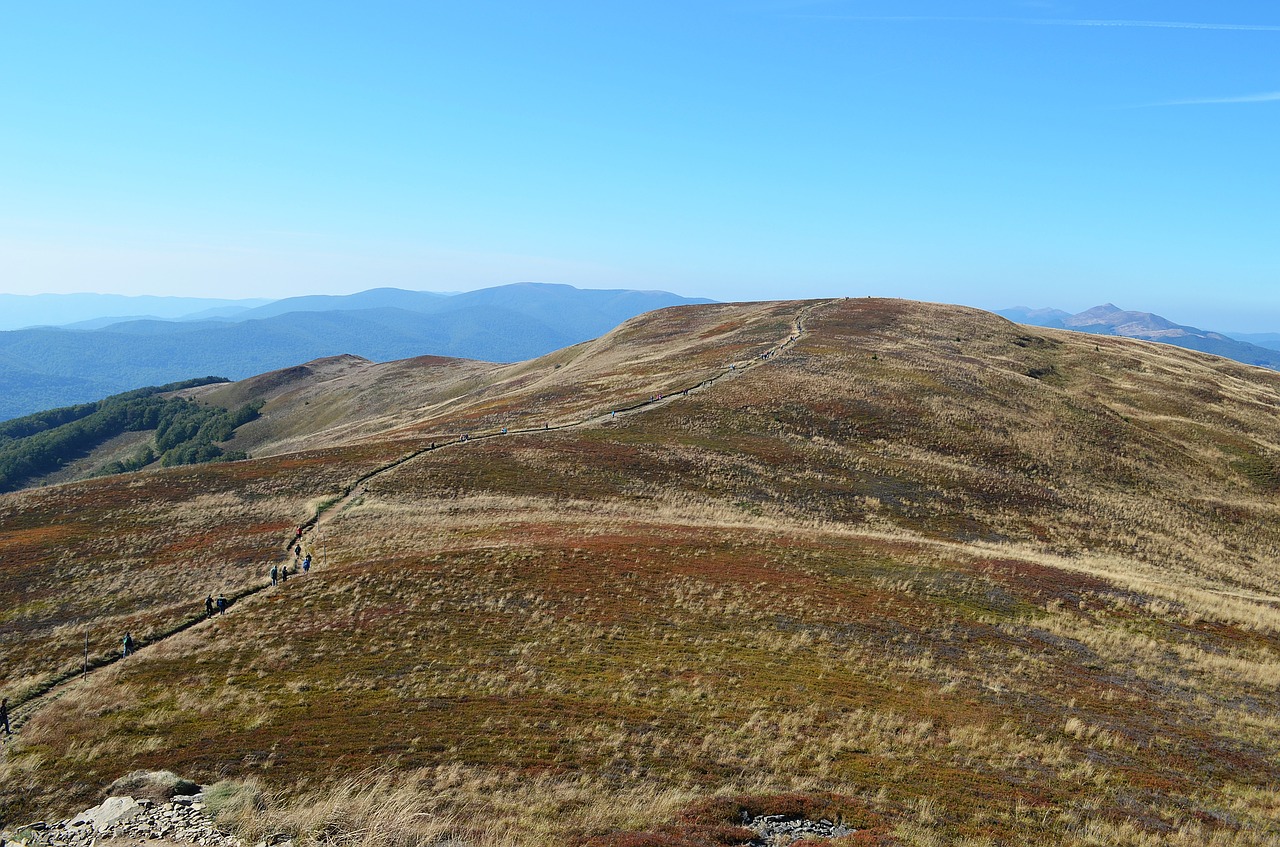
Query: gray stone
x=114, y=811
x=778, y=830
x=178, y=819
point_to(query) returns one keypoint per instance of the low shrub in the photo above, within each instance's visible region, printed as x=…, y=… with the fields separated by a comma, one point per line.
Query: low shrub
x=151, y=785
x=237, y=805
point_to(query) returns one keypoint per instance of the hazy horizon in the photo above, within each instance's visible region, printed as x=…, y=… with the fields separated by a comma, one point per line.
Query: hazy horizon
x=170, y=313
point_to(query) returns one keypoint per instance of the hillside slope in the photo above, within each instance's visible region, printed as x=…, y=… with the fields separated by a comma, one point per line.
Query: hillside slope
x=947, y=575
x=124, y=432
x=41, y=368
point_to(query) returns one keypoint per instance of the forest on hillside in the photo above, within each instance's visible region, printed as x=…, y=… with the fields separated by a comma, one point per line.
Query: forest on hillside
x=186, y=432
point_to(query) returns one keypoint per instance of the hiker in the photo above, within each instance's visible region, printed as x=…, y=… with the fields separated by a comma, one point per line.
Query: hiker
x=306, y=563
x=222, y=604
x=4, y=716
x=208, y=606
x=128, y=644
x=284, y=573
x=297, y=551
x=275, y=574
x=299, y=533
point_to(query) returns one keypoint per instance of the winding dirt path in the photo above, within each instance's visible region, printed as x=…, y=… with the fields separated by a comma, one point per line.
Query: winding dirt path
x=735, y=369
x=21, y=712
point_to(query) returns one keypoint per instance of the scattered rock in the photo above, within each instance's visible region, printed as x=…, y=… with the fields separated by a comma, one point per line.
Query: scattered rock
x=779, y=830
x=180, y=820
x=115, y=810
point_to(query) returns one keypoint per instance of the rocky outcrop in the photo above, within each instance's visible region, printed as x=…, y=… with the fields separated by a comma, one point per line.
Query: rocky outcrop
x=182, y=820
x=774, y=830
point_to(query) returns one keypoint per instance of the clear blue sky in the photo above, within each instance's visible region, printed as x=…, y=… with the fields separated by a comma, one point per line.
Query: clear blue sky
x=989, y=152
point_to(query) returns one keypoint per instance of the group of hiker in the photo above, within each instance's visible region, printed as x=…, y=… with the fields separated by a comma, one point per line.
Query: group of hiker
x=301, y=561
x=280, y=573
x=218, y=606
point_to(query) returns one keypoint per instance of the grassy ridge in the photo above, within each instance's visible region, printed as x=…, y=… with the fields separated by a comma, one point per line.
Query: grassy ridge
x=1003, y=589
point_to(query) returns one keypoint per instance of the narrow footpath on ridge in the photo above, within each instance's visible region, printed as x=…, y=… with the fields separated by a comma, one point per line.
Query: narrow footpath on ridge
x=22, y=711
x=731, y=371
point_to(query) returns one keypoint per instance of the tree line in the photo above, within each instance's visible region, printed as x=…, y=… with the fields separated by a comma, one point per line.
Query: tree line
x=185, y=432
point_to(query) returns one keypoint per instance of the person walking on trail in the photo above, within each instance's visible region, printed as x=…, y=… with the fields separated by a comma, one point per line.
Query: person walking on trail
x=284, y=573
x=128, y=644
x=275, y=574
x=208, y=606
x=306, y=563
x=222, y=604
x=4, y=716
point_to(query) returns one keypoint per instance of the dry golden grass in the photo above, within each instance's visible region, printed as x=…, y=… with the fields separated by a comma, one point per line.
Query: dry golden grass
x=994, y=608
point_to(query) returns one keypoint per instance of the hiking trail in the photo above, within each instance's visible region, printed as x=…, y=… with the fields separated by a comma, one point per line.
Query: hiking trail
x=21, y=712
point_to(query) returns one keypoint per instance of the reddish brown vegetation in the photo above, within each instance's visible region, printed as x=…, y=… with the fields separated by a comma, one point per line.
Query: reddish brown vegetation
x=886, y=576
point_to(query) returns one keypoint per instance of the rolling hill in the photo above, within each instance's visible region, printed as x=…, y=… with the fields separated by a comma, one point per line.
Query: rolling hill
x=945, y=577
x=46, y=367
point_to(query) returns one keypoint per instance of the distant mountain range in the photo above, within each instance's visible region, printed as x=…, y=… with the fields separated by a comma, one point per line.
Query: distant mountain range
x=46, y=367
x=89, y=311
x=1254, y=349
x=1262, y=339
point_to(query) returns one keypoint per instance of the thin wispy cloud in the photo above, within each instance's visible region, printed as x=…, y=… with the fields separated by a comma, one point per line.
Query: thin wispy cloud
x=1155, y=24
x=1268, y=97
x=1073, y=22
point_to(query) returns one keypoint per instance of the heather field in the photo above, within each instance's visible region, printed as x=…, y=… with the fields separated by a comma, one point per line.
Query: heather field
x=950, y=579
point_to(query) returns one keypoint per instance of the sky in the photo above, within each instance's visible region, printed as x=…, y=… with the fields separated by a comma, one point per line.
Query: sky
x=986, y=152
